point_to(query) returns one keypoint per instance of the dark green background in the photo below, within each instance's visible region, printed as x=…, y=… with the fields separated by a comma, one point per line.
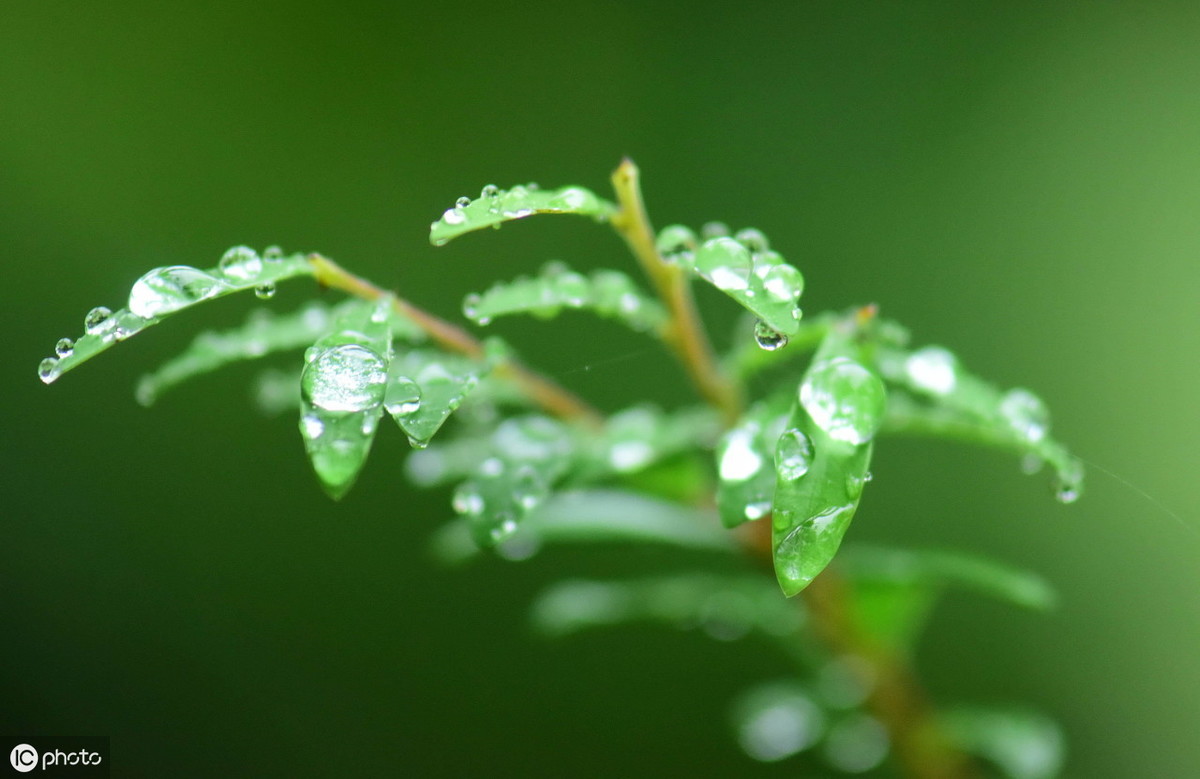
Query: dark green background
x=1018, y=182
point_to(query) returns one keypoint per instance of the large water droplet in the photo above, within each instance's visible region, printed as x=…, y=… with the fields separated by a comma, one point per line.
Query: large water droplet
x=738, y=460
x=724, y=262
x=403, y=396
x=768, y=338
x=48, y=370
x=240, y=264
x=164, y=290
x=65, y=347
x=98, y=321
x=345, y=378
x=753, y=239
x=933, y=370
x=783, y=283
x=1026, y=414
x=845, y=400
x=793, y=454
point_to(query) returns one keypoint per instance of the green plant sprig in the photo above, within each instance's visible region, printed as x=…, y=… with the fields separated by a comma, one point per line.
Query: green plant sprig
x=534, y=464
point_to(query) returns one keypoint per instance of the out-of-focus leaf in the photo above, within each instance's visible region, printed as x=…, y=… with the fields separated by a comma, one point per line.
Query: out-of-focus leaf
x=639, y=436
x=1022, y=744
x=163, y=291
x=727, y=607
x=597, y=516
x=953, y=403
x=608, y=293
x=494, y=206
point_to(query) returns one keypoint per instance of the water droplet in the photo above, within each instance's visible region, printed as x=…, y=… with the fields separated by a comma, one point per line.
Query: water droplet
x=573, y=288
x=714, y=230
x=675, y=243
x=793, y=454
x=403, y=396
x=462, y=202
x=724, y=262
x=932, y=369
x=126, y=324
x=752, y=239
x=780, y=725
x=467, y=499
x=738, y=460
x=783, y=283
x=165, y=290
x=265, y=291
x=98, y=321
x=758, y=510
x=768, y=338
x=528, y=488
x=1025, y=414
x=241, y=264
x=48, y=369
x=311, y=353
x=470, y=307
x=272, y=254
x=311, y=426
x=345, y=378
x=1066, y=492
x=625, y=456
x=453, y=216
x=845, y=399
x=489, y=191
x=65, y=347
x=575, y=198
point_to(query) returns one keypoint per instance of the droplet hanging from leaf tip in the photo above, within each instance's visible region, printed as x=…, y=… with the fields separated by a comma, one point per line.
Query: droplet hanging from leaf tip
x=48, y=369
x=768, y=338
x=265, y=291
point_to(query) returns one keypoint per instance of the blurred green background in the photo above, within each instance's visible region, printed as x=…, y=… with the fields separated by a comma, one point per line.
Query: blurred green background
x=1019, y=182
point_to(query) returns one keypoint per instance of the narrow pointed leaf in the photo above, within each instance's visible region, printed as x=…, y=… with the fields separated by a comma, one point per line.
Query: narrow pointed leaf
x=1023, y=744
x=745, y=462
x=745, y=269
x=933, y=568
x=597, y=516
x=822, y=460
x=949, y=402
x=608, y=293
x=162, y=292
x=425, y=387
x=343, y=384
x=528, y=455
x=726, y=607
x=263, y=333
x=495, y=206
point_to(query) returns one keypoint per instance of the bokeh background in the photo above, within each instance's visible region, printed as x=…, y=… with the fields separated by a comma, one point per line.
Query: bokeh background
x=1019, y=182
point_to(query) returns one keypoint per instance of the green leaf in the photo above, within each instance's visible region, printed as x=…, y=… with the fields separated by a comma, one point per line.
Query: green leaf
x=495, y=206
x=425, y=387
x=608, y=293
x=745, y=269
x=596, y=516
x=776, y=720
x=640, y=436
x=162, y=292
x=1022, y=744
x=727, y=607
x=946, y=401
x=528, y=454
x=822, y=458
x=746, y=486
x=263, y=333
x=930, y=568
x=342, y=387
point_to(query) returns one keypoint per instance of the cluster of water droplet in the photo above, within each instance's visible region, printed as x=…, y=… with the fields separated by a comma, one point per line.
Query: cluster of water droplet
x=744, y=267
x=495, y=206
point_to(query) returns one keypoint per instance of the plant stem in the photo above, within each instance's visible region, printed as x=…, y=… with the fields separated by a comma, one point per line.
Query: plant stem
x=684, y=333
x=542, y=391
x=896, y=697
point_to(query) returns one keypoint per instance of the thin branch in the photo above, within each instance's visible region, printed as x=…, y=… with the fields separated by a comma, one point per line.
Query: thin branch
x=684, y=333
x=542, y=391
